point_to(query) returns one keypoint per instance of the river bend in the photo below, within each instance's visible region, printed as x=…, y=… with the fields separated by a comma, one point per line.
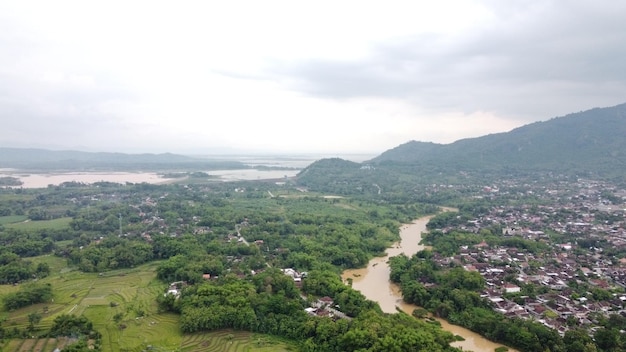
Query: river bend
x=373, y=282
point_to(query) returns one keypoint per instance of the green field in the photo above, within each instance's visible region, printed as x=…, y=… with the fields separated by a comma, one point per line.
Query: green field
x=131, y=293
x=26, y=225
x=11, y=219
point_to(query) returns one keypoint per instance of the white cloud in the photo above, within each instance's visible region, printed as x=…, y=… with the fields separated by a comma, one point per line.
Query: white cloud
x=287, y=76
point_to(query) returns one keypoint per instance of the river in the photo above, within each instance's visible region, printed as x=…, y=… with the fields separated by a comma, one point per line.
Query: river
x=373, y=282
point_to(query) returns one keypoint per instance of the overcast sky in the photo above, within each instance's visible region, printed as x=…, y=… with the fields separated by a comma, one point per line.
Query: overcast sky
x=289, y=76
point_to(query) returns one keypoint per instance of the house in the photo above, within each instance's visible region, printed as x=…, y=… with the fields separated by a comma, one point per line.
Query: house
x=510, y=288
x=175, y=288
x=325, y=301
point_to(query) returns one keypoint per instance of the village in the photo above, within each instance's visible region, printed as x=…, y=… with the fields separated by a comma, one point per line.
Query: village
x=578, y=276
x=570, y=282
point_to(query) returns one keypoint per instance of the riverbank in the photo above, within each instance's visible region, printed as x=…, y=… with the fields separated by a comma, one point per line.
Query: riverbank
x=373, y=281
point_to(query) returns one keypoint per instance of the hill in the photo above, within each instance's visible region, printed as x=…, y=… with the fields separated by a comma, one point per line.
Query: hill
x=589, y=141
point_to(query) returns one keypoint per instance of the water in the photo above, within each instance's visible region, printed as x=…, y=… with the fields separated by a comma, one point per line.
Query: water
x=373, y=282
x=252, y=174
x=55, y=179
x=295, y=163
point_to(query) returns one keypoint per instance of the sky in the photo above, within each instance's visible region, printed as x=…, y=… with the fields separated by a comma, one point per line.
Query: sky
x=202, y=77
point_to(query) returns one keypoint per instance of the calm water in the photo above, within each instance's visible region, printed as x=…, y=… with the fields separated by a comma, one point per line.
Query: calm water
x=374, y=283
x=43, y=180
x=296, y=162
x=252, y=174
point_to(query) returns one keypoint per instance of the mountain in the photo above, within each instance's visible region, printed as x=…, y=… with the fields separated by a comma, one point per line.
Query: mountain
x=589, y=141
x=25, y=158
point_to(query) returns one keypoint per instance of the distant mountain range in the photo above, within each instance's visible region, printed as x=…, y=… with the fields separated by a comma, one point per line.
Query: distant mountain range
x=588, y=141
x=24, y=158
x=591, y=142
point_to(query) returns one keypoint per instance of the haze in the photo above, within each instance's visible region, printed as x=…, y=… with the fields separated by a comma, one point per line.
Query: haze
x=283, y=76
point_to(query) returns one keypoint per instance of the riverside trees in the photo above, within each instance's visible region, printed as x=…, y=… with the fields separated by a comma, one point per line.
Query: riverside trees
x=453, y=294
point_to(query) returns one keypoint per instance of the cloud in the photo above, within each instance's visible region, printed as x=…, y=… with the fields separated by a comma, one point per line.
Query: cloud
x=279, y=75
x=534, y=60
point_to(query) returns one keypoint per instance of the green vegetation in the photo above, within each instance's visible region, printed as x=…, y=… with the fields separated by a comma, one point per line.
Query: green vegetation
x=14, y=269
x=95, y=262
x=54, y=224
x=129, y=294
x=11, y=219
x=234, y=341
x=453, y=294
x=108, y=253
x=585, y=143
x=29, y=294
x=10, y=181
x=44, y=344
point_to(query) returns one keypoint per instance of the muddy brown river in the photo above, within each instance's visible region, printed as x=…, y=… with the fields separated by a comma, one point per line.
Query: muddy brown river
x=373, y=282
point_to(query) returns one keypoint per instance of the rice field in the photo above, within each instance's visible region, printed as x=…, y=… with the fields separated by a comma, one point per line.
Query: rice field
x=30, y=225
x=36, y=345
x=4, y=220
x=235, y=341
x=130, y=294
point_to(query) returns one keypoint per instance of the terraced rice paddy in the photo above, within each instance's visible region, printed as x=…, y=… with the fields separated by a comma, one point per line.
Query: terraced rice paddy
x=36, y=345
x=228, y=340
x=130, y=293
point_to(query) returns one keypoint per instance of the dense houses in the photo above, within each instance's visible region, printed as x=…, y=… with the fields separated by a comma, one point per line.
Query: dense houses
x=572, y=282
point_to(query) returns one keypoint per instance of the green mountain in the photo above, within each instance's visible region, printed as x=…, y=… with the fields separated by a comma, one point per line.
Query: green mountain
x=592, y=141
x=589, y=144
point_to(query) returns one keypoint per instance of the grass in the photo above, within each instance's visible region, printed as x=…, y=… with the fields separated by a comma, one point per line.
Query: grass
x=4, y=289
x=17, y=197
x=54, y=224
x=133, y=293
x=11, y=219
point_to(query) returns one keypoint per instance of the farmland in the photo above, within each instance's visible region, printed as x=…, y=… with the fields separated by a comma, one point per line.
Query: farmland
x=130, y=294
x=22, y=223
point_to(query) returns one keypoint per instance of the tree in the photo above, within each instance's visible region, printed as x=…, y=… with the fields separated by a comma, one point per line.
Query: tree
x=29, y=294
x=71, y=325
x=43, y=269
x=420, y=313
x=33, y=319
x=608, y=339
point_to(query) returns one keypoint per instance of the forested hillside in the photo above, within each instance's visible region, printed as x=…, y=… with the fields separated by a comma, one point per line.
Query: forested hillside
x=589, y=142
